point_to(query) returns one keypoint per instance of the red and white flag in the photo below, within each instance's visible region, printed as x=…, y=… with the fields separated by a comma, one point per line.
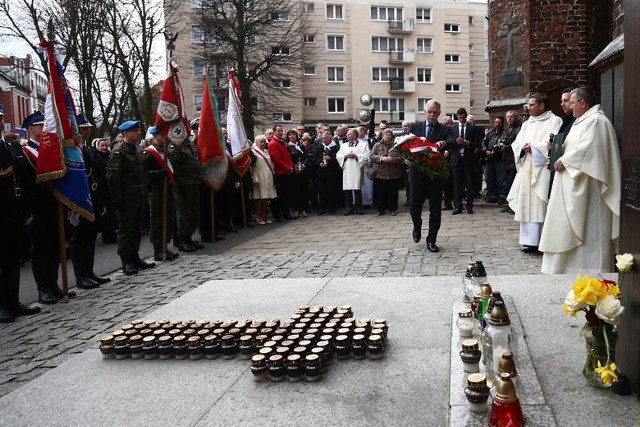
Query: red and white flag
x=171, y=119
x=240, y=145
x=213, y=159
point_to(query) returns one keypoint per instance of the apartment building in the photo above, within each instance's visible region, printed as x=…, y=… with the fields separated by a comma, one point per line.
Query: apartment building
x=403, y=53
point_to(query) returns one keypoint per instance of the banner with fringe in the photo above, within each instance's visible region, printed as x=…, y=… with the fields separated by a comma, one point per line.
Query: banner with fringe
x=240, y=145
x=213, y=161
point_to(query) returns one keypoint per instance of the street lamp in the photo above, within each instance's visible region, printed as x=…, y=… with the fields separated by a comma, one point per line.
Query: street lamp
x=365, y=114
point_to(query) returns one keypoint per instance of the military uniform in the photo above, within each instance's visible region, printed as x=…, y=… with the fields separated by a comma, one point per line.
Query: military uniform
x=13, y=192
x=186, y=165
x=125, y=176
x=156, y=173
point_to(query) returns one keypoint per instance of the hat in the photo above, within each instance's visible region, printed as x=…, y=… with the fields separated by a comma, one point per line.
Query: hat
x=36, y=118
x=129, y=125
x=1, y=110
x=83, y=122
x=194, y=123
x=153, y=130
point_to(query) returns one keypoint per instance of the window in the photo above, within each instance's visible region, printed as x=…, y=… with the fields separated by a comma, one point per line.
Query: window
x=197, y=101
x=335, y=42
x=335, y=74
x=385, y=74
x=422, y=104
x=451, y=28
x=425, y=75
x=281, y=117
x=280, y=50
x=334, y=11
x=383, y=13
x=423, y=15
x=471, y=20
x=280, y=16
x=487, y=79
x=470, y=47
x=453, y=116
x=308, y=7
x=471, y=75
x=452, y=87
x=310, y=102
x=309, y=70
x=277, y=83
x=451, y=58
x=388, y=105
x=486, y=51
x=200, y=36
x=335, y=105
x=309, y=38
x=200, y=68
x=472, y=103
x=386, y=44
x=424, y=45
x=487, y=101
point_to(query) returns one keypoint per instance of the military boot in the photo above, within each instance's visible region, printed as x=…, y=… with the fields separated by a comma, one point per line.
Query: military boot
x=128, y=267
x=89, y=259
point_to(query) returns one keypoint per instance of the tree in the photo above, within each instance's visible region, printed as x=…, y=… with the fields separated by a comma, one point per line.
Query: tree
x=261, y=39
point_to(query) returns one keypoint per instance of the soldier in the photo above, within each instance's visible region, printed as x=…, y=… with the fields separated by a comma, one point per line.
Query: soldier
x=13, y=177
x=186, y=166
x=45, y=254
x=126, y=183
x=158, y=171
x=82, y=236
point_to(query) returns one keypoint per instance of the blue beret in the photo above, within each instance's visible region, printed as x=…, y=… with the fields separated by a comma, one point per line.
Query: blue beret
x=1, y=110
x=82, y=121
x=153, y=130
x=128, y=125
x=36, y=118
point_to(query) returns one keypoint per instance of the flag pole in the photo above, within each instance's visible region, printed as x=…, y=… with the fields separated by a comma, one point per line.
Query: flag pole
x=165, y=186
x=63, y=252
x=213, y=214
x=244, y=211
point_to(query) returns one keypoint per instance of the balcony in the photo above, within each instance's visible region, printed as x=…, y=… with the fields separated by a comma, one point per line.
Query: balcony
x=402, y=57
x=401, y=27
x=401, y=86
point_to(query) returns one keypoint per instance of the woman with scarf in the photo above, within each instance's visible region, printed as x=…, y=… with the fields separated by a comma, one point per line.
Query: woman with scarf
x=389, y=168
x=263, y=188
x=299, y=176
x=103, y=205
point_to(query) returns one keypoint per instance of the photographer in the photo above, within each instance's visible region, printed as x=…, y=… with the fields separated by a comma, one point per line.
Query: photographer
x=493, y=148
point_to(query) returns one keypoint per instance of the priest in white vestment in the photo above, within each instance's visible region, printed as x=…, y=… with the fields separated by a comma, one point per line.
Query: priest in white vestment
x=352, y=157
x=582, y=223
x=530, y=190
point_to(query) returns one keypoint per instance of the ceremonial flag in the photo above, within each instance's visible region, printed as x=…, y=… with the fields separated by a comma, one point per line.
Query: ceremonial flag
x=240, y=145
x=171, y=119
x=213, y=160
x=60, y=159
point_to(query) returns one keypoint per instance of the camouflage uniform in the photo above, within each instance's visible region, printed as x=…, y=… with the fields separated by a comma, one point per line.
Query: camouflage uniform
x=186, y=166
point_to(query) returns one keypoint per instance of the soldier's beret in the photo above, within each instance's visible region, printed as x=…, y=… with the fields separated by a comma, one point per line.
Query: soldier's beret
x=128, y=125
x=153, y=130
x=83, y=122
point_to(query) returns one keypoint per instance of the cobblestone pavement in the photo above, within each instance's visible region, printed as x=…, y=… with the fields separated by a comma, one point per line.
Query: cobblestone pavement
x=318, y=246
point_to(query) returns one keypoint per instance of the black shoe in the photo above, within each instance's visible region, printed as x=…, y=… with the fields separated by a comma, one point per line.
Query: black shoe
x=469, y=211
x=197, y=245
x=347, y=213
x=416, y=235
x=530, y=249
x=502, y=201
x=129, y=269
x=186, y=247
x=86, y=283
x=99, y=280
x=492, y=200
x=57, y=292
x=507, y=210
x=5, y=315
x=433, y=247
x=157, y=256
x=322, y=212
x=360, y=211
x=46, y=297
x=456, y=212
x=24, y=310
x=171, y=255
x=143, y=265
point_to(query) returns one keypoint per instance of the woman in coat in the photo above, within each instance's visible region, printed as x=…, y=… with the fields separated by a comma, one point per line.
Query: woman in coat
x=388, y=167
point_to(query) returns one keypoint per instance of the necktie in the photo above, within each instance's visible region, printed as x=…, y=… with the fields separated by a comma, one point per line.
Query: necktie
x=462, y=136
x=427, y=130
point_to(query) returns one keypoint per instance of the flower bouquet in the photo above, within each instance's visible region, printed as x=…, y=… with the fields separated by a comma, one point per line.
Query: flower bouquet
x=423, y=155
x=600, y=300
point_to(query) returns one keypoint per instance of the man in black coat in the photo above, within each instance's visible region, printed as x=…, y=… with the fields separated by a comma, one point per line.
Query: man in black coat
x=462, y=160
x=421, y=187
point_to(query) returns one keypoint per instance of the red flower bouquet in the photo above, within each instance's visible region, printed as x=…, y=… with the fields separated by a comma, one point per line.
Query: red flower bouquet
x=423, y=155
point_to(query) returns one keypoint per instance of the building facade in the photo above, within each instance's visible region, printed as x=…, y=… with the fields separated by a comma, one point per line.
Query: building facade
x=403, y=53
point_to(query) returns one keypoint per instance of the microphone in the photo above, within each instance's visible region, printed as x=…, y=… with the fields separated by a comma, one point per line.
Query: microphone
x=551, y=136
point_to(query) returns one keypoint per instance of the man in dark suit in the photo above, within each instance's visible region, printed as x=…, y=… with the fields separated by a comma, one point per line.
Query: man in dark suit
x=461, y=159
x=423, y=188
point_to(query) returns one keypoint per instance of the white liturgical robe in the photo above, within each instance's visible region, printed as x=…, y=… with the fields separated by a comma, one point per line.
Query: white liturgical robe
x=583, y=217
x=530, y=190
x=353, y=175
